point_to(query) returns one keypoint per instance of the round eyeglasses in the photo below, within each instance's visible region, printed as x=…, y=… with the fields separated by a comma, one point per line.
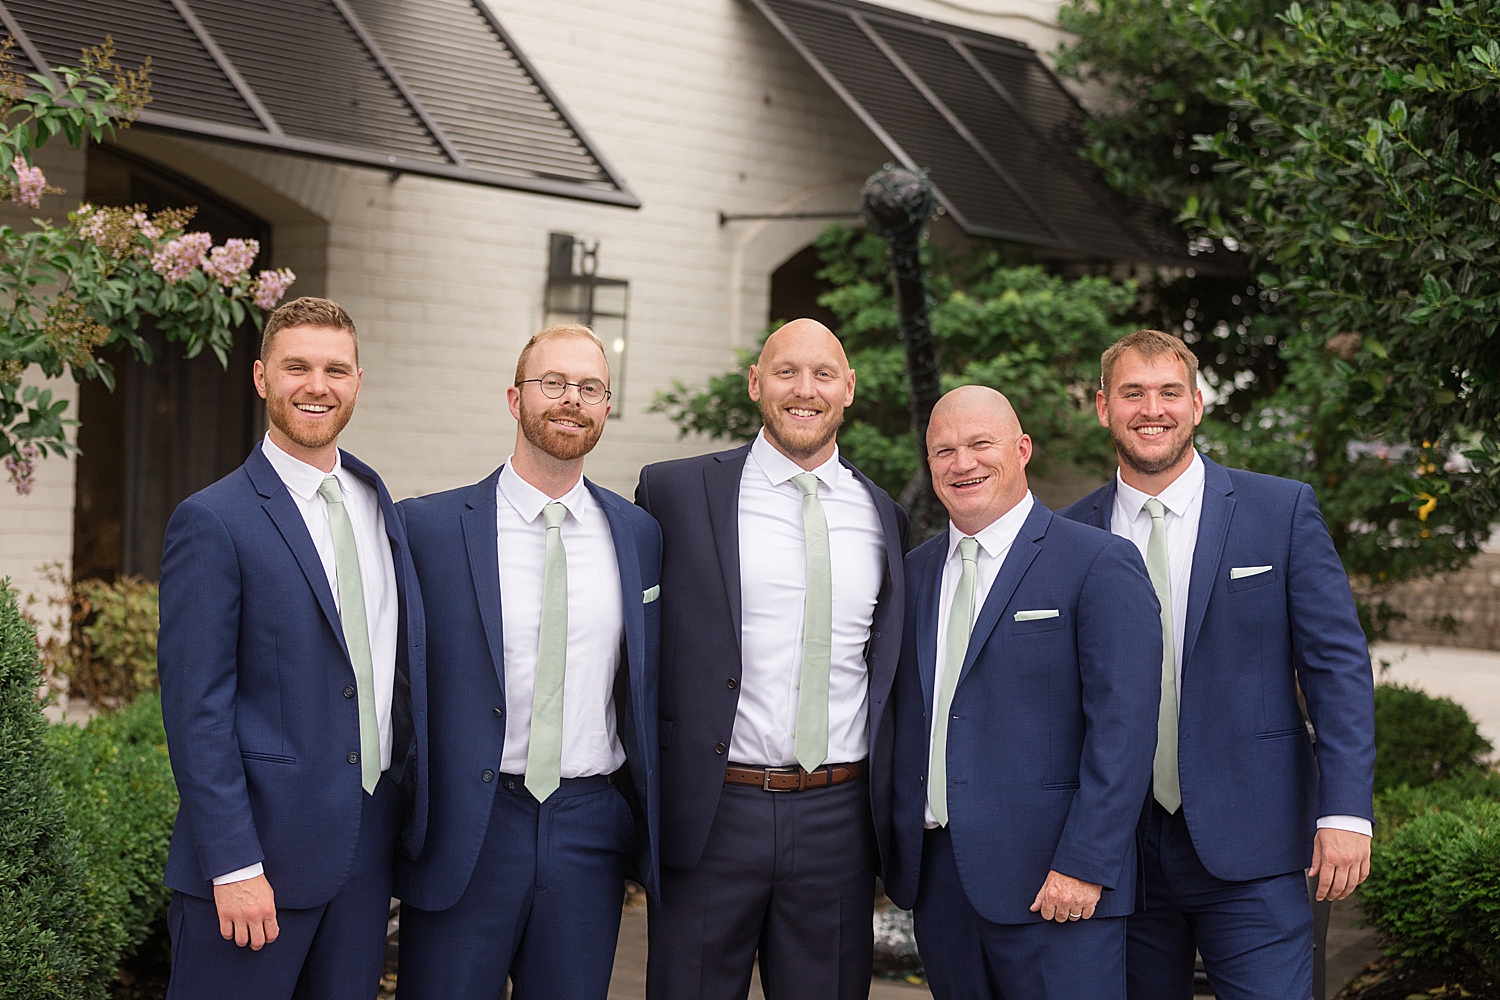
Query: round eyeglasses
x=555, y=384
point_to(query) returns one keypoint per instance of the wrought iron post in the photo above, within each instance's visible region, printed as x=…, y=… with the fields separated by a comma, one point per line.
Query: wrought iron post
x=896, y=204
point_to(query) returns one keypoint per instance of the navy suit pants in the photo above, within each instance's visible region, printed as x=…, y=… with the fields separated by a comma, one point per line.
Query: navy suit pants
x=330, y=952
x=789, y=876
x=542, y=907
x=970, y=958
x=1255, y=937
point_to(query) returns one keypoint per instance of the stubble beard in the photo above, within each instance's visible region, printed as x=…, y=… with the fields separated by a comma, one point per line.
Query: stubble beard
x=283, y=415
x=564, y=448
x=801, y=444
x=1124, y=446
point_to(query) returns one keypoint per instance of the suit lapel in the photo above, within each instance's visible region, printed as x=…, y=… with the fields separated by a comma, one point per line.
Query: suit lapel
x=929, y=588
x=1213, y=531
x=631, y=591
x=288, y=519
x=1017, y=561
x=481, y=537
x=721, y=482
x=1104, y=505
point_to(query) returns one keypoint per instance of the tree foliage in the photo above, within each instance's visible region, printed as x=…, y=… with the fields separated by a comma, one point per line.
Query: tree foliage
x=1035, y=336
x=69, y=291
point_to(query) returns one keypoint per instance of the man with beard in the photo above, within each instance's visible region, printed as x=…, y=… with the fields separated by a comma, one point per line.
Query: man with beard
x=293, y=692
x=544, y=617
x=1255, y=606
x=782, y=606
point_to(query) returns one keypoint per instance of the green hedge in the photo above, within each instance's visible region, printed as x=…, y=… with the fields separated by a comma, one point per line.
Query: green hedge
x=1420, y=739
x=1434, y=887
x=85, y=817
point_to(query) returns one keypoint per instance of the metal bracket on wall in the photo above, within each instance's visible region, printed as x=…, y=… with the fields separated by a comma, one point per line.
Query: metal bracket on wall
x=725, y=218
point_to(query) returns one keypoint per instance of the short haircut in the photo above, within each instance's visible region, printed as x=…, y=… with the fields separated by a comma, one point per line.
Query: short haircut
x=307, y=311
x=1148, y=344
x=553, y=333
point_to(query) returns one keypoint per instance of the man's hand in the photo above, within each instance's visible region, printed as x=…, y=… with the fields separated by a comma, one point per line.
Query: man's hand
x=1064, y=898
x=247, y=912
x=1340, y=862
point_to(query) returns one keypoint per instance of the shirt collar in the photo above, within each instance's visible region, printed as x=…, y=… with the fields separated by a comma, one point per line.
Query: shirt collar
x=780, y=469
x=1000, y=534
x=1177, y=497
x=528, y=501
x=299, y=477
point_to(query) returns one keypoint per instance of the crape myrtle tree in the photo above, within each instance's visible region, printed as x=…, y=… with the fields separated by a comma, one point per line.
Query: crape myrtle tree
x=1348, y=153
x=1035, y=336
x=71, y=291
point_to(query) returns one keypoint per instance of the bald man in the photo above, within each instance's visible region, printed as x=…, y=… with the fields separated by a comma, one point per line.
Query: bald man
x=1025, y=706
x=781, y=608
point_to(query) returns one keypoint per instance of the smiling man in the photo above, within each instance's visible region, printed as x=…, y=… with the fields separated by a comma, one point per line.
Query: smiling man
x=293, y=692
x=782, y=604
x=1256, y=615
x=1025, y=720
x=543, y=592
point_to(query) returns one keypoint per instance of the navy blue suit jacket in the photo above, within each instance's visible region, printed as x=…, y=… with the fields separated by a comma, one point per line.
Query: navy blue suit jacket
x=453, y=539
x=1251, y=787
x=1053, y=723
x=696, y=500
x=253, y=670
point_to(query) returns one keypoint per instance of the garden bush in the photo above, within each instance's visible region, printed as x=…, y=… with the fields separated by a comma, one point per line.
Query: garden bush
x=119, y=798
x=1395, y=807
x=109, y=653
x=44, y=887
x=1420, y=739
x=1434, y=887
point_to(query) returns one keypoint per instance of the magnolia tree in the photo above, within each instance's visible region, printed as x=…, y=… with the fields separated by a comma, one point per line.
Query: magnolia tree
x=69, y=292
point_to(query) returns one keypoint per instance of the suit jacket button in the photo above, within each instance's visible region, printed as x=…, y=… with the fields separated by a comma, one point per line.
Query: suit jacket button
x=354, y=758
x=488, y=775
x=499, y=711
x=719, y=748
x=732, y=683
x=349, y=691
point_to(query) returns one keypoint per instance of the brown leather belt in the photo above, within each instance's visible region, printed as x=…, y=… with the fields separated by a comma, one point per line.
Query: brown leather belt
x=793, y=778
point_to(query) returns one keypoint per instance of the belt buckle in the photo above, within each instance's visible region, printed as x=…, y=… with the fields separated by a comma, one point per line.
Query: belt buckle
x=766, y=780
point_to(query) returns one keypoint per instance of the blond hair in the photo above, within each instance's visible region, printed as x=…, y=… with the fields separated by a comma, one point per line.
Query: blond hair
x=307, y=311
x=1149, y=344
x=553, y=333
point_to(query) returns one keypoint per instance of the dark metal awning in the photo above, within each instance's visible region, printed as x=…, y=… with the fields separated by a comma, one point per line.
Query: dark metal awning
x=997, y=133
x=430, y=87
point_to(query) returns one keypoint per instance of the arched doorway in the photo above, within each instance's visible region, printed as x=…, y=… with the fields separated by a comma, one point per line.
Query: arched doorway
x=173, y=426
x=795, y=287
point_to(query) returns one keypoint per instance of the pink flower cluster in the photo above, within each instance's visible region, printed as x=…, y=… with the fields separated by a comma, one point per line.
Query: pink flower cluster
x=230, y=261
x=146, y=226
x=30, y=183
x=270, y=286
x=21, y=464
x=179, y=257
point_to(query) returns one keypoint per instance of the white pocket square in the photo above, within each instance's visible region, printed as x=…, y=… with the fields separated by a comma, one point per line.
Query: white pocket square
x=647, y=596
x=1239, y=572
x=1031, y=616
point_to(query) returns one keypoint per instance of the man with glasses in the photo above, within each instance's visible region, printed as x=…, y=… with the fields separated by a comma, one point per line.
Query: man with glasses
x=545, y=622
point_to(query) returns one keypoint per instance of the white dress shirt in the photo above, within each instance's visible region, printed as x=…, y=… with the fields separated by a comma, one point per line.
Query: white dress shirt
x=994, y=545
x=773, y=591
x=377, y=574
x=596, y=623
x=1183, y=500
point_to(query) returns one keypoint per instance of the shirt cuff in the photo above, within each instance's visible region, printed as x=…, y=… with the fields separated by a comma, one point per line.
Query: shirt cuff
x=259, y=868
x=1354, y=824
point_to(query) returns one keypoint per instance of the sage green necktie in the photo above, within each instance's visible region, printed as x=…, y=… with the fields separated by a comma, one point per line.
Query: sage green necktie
x=356, y=629
x=960, y=624
x=1164, y=780
x=544, y=753
x=810, y=745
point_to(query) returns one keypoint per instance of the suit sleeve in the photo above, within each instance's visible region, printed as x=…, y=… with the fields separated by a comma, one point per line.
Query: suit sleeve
x=1119, y=662
x=1332, y=659
x=643, y=492
x=198, y=663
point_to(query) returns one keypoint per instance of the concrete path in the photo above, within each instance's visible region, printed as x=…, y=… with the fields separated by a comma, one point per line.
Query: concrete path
x=1470, y=677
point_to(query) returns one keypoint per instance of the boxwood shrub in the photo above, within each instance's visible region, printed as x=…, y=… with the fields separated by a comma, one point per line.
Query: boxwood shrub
x=1420, y=739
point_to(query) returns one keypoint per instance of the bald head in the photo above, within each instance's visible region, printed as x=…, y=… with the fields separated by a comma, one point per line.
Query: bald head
x=802, y=382
x=802, y=336
x=977, y=453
